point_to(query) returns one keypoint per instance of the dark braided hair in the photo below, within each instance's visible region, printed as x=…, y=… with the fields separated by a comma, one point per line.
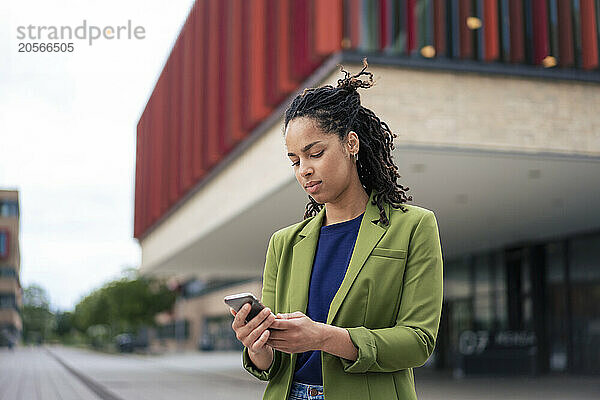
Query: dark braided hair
x=338, y=110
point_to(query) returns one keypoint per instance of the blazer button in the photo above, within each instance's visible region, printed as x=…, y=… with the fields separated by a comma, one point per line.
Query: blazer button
x=313, y=392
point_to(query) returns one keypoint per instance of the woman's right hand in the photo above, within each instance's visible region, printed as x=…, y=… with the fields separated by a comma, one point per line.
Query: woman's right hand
x=253, y=334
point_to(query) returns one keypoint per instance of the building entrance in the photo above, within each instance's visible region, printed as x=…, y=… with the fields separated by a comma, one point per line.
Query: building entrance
x=527, y=309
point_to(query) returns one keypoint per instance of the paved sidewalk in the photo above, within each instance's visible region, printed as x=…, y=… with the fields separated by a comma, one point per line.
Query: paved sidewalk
x=33, y=373
x=432, y=385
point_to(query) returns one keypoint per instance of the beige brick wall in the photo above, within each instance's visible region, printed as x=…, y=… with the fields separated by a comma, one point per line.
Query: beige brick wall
x=470, y=110
x=10, y=316
x=196, y=309
x=9, y=285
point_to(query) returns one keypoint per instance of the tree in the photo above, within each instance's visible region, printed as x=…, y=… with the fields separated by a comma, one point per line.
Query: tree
x=125, y=304
x=64, y=323
x=37, y=318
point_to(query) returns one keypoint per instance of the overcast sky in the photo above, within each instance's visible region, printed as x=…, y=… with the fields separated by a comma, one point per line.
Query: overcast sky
x=67, y=136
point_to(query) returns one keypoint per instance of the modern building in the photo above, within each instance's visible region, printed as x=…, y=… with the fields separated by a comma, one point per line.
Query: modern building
x=495, y=104
x=11, y=324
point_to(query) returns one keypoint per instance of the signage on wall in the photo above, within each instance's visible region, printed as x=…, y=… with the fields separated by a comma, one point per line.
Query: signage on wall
x=476, y=342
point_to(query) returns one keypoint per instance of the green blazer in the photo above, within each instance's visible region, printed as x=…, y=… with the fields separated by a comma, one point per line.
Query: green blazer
x=390, y=302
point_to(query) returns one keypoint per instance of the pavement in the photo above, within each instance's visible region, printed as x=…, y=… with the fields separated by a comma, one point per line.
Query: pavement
x=57, y=372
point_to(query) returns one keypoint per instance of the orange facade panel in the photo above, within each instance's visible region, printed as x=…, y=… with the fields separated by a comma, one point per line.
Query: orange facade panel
x=285, y=81
x=200, y=25
x=328, y=26
x=589, y=34
x=234, y=72
x=187, y=105
x=258, y=109
x=492, y=30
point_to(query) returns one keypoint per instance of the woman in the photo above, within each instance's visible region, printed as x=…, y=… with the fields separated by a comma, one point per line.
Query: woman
x=357, y=285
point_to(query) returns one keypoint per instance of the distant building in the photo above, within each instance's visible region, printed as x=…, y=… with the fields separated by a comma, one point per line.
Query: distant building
x=11, y=324
x=496, y=106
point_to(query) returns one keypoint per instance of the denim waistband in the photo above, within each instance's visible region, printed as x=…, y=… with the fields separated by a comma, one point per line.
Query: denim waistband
x=305, y=391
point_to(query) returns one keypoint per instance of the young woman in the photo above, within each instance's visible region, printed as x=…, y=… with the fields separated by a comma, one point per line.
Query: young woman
x=357, y=285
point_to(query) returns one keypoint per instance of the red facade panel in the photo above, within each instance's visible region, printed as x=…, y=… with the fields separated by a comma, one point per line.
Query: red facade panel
x=273, y=94
x=299, y=25
x=258, y=109
x=439, y=27
x=175, y=122
x=565, y=40
x=212, y=80
x=541, y=40
x=236, y=60
x=187, y=91
x=492, y=30
x=411, y=26
x=465, y=11
x=589, y=38
x=234, y=72
x=354, y=22
x=328, y=26
x=139, y=152
x=144, y=210
x=223, y=131
x=517, y=34
x=285, y=79
x=164, y=147
x=383, y=24
x=199, y=97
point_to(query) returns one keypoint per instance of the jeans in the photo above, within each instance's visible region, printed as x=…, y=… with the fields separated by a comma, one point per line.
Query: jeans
x=303, y=391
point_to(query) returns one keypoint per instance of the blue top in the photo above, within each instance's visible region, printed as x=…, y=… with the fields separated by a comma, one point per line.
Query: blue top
x=334, y=249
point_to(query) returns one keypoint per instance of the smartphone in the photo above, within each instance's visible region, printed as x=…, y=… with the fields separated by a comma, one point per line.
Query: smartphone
x=236, y=301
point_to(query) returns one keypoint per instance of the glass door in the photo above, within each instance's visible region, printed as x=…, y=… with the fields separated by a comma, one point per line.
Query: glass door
x=584, y=293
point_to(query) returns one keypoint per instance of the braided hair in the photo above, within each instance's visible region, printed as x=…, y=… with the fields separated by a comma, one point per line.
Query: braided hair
x=338, y=110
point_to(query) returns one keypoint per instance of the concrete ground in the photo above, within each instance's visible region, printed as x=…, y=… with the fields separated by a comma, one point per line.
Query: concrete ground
x=58, y=372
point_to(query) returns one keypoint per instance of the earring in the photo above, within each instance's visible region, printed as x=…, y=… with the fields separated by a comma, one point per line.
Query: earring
x=356, y=157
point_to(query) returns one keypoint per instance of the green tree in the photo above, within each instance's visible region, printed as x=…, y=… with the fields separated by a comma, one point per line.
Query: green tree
x=64, y=324
x=37, y=318
x=124, y=305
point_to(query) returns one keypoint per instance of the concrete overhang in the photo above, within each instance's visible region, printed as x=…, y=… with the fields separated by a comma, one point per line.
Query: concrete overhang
x=486, y=194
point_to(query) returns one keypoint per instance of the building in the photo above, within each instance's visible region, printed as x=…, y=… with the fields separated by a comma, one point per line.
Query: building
x=495, y=106
x=11, y=324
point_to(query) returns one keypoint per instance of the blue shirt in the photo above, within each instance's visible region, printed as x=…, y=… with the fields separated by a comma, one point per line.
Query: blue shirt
x=334, y=249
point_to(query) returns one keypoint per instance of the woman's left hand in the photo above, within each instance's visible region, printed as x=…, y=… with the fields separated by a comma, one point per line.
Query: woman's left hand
x=296, y=333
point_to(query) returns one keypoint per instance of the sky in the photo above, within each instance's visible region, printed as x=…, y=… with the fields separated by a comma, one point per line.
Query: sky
x=68, y=134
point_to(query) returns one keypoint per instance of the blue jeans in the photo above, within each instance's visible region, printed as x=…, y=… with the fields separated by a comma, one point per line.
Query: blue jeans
x=303, y=391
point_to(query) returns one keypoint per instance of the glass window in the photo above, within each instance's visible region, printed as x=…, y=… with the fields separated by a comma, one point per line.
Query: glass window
x=457, y=281
x=556, y=300
x=526, y=292
x=482, y=274
x=483, y=295
x=7, y=272
x=584, y=271
x=499, y=285
x=585, y=258
x=3, y=244
x=7, y=301
x=9, y=208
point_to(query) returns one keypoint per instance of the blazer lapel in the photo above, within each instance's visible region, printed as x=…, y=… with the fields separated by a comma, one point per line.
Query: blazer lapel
x=369, y=233
x=303, y=254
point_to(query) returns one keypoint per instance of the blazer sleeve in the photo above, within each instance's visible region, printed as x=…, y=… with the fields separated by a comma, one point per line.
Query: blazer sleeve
x=410, y=342
x=268, y=299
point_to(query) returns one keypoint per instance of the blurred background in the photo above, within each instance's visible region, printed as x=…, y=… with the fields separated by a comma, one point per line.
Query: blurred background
x=495, y=104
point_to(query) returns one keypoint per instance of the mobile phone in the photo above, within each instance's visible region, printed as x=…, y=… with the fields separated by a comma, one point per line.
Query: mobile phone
x=236, y=301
